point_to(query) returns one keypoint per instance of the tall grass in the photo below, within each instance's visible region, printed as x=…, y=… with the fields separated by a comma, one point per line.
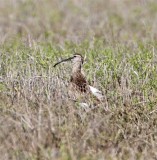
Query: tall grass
x=38, y=120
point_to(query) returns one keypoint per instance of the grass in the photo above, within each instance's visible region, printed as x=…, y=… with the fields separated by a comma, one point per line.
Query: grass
x=37, y=120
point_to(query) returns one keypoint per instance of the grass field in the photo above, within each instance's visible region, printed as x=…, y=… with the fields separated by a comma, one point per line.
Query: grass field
x=37, y=120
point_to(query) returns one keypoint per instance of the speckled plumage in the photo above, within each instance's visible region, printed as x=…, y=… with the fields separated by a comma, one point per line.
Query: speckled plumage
x=78, y=83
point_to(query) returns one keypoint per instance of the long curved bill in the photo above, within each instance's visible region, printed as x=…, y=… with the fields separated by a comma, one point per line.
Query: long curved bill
x=64, y=60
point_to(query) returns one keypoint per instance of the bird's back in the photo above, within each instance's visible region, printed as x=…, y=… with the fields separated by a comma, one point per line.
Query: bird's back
x=80, y=89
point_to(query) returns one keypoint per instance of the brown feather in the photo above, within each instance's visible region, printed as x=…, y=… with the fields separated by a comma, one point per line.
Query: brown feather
x=79, y=82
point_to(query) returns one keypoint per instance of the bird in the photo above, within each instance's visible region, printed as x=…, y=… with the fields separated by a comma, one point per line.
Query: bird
x=78, y=83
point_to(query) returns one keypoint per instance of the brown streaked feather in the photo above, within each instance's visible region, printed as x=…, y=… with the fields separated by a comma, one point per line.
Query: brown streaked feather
x=79, y=82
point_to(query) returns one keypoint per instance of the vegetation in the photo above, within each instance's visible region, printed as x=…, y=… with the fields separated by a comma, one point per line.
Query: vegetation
x=37, y=120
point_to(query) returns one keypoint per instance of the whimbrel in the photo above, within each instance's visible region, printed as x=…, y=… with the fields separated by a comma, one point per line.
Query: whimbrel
x=78, y=81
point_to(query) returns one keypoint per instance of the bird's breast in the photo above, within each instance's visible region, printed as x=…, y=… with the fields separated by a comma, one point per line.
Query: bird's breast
x=79, y=82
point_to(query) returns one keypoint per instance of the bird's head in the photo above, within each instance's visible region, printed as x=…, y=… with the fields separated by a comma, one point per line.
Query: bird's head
x=75, y=59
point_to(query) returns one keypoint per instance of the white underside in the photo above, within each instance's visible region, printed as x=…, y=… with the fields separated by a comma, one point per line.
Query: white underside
x=84, y=105
x=96, y=93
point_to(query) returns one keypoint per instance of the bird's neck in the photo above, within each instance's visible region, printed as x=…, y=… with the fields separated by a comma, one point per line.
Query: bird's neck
x=76, y=68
